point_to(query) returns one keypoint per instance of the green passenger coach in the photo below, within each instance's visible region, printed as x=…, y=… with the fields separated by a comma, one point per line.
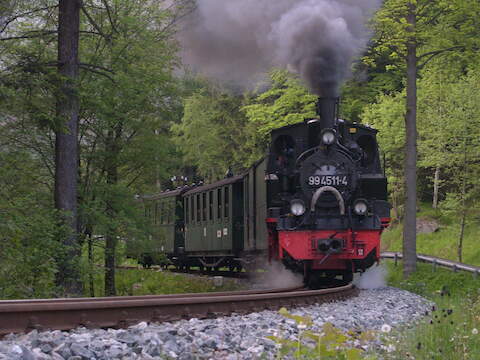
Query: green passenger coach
x=210, y=226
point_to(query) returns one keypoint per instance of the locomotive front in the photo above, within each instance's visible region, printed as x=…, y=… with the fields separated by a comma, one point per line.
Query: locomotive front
x=327, y=196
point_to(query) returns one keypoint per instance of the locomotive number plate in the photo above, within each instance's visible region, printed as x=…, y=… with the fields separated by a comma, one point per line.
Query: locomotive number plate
x=328, y=180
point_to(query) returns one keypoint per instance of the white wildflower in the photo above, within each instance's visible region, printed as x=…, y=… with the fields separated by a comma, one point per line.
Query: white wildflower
x=391, y=348
x=386, y=328
x=474, y=331
x=302, y=326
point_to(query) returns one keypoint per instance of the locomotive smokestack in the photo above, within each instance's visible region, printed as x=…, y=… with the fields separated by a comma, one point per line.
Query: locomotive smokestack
x=327, y=109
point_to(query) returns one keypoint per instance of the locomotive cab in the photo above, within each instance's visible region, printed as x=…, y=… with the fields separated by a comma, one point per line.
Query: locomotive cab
x=326, y=196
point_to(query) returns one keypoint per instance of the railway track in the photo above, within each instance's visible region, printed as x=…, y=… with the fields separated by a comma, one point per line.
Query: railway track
x=19, y=316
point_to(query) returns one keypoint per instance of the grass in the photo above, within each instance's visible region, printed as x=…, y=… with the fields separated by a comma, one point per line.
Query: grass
x=156, y=282
x=130, y=282
x=451, y=330
x=442, y=243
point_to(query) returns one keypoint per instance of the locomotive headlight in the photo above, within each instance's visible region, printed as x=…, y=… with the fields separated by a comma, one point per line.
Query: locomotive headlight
x=360, y=207
x=328, y=137
x=297, y=207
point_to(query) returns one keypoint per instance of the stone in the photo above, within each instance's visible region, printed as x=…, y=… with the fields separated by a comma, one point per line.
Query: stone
x=146, y=356
x=427, y=226
x=56, y=356
x=27, y=354
x=46, y=348
x=171, y=346
x=114, y=353
x=127, y=338
x=140, y=326
x=40, y=355
x=152, y=349
x=82, y=351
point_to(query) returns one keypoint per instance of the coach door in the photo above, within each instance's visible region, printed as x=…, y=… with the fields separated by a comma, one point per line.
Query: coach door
x=238, y=231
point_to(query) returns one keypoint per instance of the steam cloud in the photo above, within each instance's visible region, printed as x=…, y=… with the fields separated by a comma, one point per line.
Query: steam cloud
x=373, y=278
x=238, y=41
x=277, y=276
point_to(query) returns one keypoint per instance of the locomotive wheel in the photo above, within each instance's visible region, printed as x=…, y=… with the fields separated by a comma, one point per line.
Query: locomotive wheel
x=347, y=276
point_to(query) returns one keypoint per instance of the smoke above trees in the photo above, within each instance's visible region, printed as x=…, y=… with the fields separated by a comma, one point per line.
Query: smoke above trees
x=238, y=41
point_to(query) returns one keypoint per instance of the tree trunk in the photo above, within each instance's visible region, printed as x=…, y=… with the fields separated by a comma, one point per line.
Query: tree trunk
x=462, y=232
x=91, y=265
x=436, y=185
x=111, y=167
x=464, y=200
x=66, y=147
x=410, y=220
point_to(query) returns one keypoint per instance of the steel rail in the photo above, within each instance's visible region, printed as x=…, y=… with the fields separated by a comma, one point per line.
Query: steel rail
x=435, y=261
x=20, y=316
x=145, y=297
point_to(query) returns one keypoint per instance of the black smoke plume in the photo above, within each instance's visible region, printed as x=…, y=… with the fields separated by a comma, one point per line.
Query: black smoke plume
x=238, y=41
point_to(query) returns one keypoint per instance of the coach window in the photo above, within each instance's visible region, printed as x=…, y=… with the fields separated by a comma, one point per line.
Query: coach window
x=163, y=208
x=219, y=203
x=187, y=212
x=169, y=211
x=204, y=206
x=210, y=206
x=198, y=208
x=226, y=202
x=148, y=210
x=192, y=210
x=166, y=211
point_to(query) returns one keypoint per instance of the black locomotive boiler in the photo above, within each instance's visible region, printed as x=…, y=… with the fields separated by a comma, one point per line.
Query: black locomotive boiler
x=317, y=202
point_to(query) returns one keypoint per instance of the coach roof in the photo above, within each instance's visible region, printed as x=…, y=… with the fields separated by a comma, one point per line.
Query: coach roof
x=223, y=182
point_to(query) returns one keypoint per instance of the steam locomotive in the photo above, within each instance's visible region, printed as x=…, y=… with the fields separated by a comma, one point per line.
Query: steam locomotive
x=317, y=202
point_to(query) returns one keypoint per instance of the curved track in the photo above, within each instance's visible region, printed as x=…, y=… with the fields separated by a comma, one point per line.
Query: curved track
x=18, y=316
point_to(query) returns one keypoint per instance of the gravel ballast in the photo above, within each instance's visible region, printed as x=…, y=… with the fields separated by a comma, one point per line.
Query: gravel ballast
x=232, y=337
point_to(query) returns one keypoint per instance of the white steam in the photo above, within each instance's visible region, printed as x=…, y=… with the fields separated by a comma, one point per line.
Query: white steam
x=277, y=276
x=373, y=278
x=237, y=41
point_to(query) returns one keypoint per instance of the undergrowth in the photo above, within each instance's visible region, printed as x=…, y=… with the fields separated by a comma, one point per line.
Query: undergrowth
x=451, y=329
x=156, y=282
x=441, y=243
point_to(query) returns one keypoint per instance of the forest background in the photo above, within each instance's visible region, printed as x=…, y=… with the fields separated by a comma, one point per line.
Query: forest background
x=143, y=118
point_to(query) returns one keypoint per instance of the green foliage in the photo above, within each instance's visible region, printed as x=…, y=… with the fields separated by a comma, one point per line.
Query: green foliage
x=287, y=102
x=28, y=229
x=220, y=131
x=212, y=133
x=440, y=243
x=127, y=99
x=387, y=116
